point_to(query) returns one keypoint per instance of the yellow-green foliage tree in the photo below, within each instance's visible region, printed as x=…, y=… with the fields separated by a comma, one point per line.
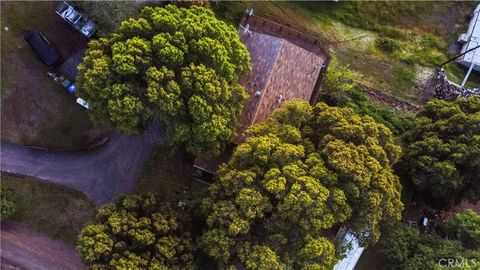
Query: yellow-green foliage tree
x=137, y=232
x=176, y=64
x=297, y=176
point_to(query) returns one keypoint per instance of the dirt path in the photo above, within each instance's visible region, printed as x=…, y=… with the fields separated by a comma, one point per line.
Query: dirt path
x=391, y=101
x=103, y=173
x=22, y=248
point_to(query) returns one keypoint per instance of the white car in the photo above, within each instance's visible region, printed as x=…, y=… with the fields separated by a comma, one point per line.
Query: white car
x=83, y=103
x=76, y=19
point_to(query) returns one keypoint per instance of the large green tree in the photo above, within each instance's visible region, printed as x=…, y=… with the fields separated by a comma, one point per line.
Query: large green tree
x=443, y=154
x=296, y=177
x=466, y=227
x=137, y=232
x=405, y=248
x=175, y=64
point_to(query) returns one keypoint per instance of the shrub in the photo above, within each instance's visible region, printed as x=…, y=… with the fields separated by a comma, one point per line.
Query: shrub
x=387, y=44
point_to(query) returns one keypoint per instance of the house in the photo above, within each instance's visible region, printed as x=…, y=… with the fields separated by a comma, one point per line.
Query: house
x=352, y=255
x=286, y=64
x=471, y=46
x=470, y=40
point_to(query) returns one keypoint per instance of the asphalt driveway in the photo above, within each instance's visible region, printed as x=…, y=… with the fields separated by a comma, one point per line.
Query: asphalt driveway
x=103, y=173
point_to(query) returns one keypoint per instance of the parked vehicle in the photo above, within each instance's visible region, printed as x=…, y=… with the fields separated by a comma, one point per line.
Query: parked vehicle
x=82, y=103
x=40, y=45
x=76, y=19
x=71, y=88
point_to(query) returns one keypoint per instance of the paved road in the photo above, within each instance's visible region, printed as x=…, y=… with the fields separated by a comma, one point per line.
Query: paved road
x=103, y=173
x=22, y=248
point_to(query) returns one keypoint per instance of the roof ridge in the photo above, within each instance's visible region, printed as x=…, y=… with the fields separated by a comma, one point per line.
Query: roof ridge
x=268, y=81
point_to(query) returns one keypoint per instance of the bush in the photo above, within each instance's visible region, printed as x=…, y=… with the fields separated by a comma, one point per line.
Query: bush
x=387, y=44
x=398, y=122
x=7, y=208
x=466, y=227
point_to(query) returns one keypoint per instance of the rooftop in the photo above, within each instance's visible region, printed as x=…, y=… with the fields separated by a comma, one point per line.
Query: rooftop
x=472, y=39
x=284, y=67
x=286, y=64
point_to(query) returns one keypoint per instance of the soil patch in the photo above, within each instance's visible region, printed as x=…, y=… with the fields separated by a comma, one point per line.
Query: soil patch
x=22, y=248
x=55, y=210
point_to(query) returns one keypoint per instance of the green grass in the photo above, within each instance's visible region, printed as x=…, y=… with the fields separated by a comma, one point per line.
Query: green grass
x=397, y=121
x=167, y=171
x=421, y=32
x=109, y=14
x=55, y=210
x=35, y=110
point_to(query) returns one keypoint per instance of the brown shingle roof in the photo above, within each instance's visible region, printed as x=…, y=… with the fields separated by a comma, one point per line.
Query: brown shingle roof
x=279, y=69
x=285, y=63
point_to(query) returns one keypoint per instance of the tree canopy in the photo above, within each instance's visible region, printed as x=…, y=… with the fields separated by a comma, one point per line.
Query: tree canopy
x=406, y=248
x=137, y=232
x=466, y=226
x=443, y=154
x=297, y=176
x=176, y=64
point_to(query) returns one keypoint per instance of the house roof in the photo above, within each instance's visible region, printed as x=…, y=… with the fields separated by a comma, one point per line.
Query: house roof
x=473, y=37
x=286, y=64
x=281, y=71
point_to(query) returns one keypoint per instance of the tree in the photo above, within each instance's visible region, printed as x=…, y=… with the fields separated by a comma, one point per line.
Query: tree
x=443, y=154
x=297, y=176
x=406, y=249
x=337, y=78
x=137, y=232
x=175, y=64
x=466, y=226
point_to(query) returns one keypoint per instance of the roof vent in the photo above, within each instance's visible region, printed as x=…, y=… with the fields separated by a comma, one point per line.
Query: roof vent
x=463, y=38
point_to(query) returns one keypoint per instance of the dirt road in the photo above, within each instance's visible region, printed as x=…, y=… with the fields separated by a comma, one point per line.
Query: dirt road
x=22, y=248
x=103, y=173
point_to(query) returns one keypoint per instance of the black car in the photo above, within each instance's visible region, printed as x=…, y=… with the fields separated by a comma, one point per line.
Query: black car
x=42, y=48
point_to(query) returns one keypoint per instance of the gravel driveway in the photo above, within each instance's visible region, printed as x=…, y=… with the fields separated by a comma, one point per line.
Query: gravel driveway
x=103, y=173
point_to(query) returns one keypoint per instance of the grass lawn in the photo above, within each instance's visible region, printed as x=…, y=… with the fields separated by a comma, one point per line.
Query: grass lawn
x=55, y=210
x=35, y=110
x=167, y=171
x=389, y=46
